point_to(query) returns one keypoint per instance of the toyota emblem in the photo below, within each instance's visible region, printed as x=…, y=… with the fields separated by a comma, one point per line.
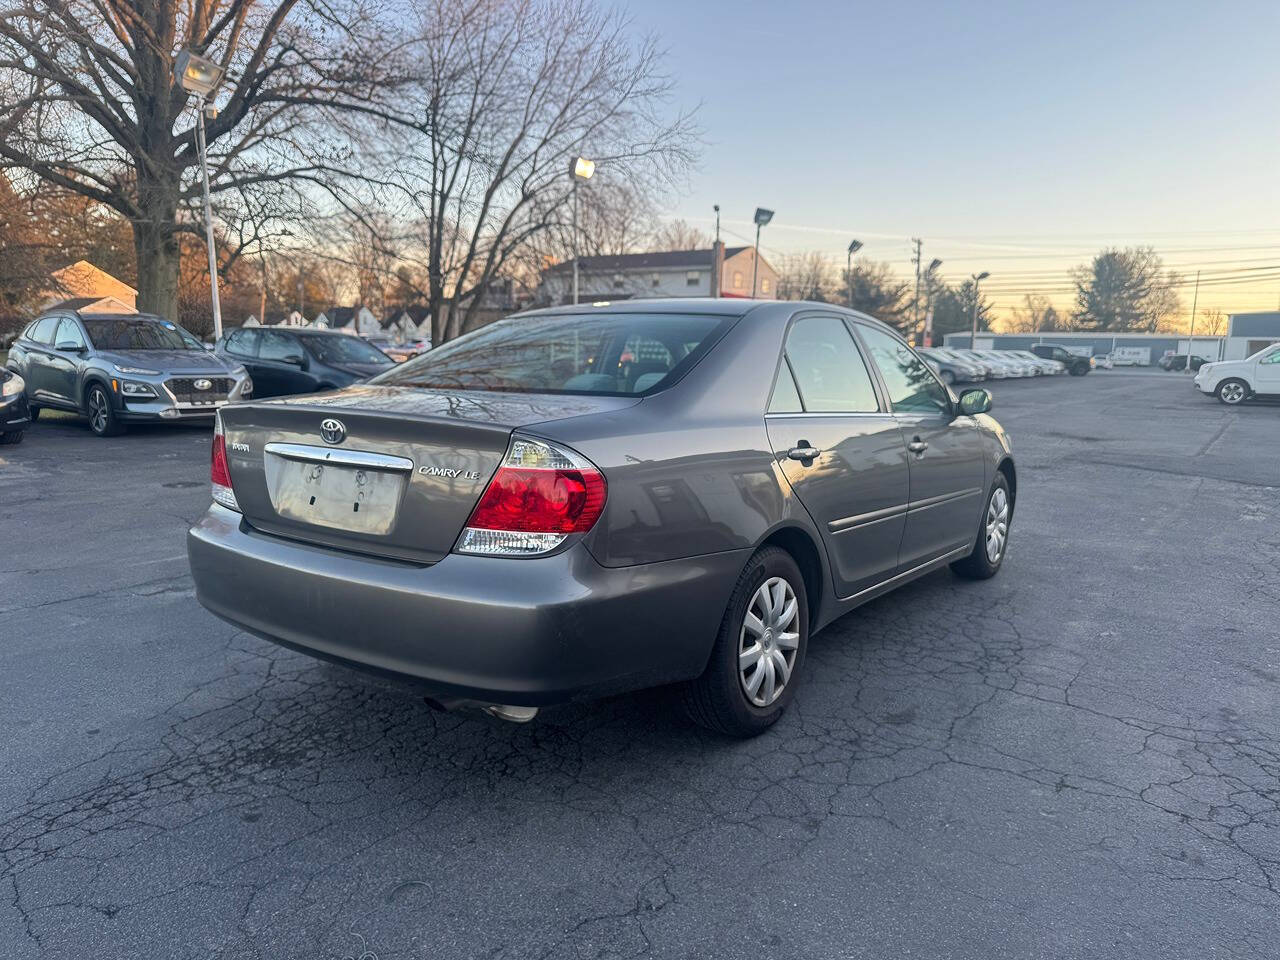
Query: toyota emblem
x=333, y=431
x=202, y=384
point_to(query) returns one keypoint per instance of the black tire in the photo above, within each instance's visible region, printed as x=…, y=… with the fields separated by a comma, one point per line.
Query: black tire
x=1079, y=369
x=978, y=565
x=12, y=437
x=718, y=700
x=102, y=415
x=35, y=413
x=1232, y=391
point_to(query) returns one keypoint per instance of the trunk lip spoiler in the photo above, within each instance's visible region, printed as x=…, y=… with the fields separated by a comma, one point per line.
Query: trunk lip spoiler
x=347, y=458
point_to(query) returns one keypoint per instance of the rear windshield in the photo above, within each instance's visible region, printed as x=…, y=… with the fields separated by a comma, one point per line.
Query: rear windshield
x=343, y=348
x=617, y=354
x=136, y=333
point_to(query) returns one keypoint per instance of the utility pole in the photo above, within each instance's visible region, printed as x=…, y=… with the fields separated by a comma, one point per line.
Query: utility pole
x=915, y=324
x=1195, y=298
x=300, y=301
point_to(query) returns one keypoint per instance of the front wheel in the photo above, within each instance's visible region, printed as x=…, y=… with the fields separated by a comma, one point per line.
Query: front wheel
x=751, y=674
x=1232, y=392
x=993, y=535
x=102, y=417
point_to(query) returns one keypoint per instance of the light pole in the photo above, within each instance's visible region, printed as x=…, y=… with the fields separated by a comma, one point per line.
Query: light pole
x=973, y=336
x=580, y=169
x=762, y=219
x=926, y=338
x=199, y=75
x=1191, y=338
x=854, y=247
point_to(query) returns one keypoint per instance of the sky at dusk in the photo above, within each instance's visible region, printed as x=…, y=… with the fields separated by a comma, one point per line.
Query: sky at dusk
x=1017, y=138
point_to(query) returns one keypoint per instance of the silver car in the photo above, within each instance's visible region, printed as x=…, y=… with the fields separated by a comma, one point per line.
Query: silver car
x=585, y=500
x=122, y=368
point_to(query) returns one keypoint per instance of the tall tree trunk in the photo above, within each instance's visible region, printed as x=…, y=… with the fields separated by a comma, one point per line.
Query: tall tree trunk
x=155, y=242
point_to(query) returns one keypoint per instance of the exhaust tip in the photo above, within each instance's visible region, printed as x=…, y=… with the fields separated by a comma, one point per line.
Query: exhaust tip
x=510, y=713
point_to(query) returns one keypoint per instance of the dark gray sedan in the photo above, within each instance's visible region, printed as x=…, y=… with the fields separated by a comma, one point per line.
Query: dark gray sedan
x=122, y=368
x=586, y=500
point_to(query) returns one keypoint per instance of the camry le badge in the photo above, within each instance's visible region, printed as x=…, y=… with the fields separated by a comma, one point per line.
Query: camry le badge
x=202, y=384
x=449, y=472
x=333, y=431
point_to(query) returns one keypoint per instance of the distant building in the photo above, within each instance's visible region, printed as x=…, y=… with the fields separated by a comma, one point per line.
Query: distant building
x=93, y=305
x=358, y=320
x=83, y=280
x=668, y=273
x=1247, y=333
x=1131, y=349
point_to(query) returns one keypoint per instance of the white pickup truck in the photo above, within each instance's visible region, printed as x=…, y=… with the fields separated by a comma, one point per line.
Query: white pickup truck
x=1234, y=381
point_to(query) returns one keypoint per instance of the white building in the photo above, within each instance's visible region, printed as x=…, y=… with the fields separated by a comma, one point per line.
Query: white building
x=1247, y=333
x=668, y=273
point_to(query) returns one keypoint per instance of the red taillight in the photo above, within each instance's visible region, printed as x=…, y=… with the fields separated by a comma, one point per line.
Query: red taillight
x=218, y=472
x=540, y=501
x=541, y=493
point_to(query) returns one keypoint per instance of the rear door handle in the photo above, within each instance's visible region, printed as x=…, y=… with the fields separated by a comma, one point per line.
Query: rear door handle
x=917, y=446
x=802, y=451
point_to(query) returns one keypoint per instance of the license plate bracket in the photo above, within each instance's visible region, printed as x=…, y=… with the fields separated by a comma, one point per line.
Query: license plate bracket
x=342, y=497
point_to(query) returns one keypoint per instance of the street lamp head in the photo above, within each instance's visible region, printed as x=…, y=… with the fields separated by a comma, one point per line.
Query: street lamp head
x=196, y=74
x=763, y=217
x=981, y=276
x=582, y=168
x=854, y=247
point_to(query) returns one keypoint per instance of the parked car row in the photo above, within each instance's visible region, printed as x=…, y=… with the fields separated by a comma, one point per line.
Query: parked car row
x=117, y=369
x=956, y=366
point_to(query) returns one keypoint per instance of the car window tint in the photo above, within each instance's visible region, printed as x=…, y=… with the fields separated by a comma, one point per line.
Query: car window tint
x=277, y=346
x=829, y=371
x=42, y=330
x=68, y=332
x=786, y=399
x=910, y=384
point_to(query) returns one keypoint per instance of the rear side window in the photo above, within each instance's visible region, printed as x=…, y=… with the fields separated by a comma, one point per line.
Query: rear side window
x=786, y=398
x=829, y=371
x=605, y=354
x=278, y=346
x=42, y=330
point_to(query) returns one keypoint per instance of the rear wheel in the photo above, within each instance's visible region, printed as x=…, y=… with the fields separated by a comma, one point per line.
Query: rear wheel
x=993, y=535
x=1079, y=369
x=13, y=436
x=751, y=674
x=102, y=417
x=1232, y=392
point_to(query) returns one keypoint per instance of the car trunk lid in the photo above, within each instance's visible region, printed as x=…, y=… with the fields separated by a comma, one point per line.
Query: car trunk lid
x=390, y=471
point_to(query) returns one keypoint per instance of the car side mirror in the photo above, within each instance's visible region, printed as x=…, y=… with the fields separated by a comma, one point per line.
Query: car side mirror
x=69, y=346
x=297, y=359
x=974, y=401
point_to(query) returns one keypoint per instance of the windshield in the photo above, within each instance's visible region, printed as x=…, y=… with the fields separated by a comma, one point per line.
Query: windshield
x=618, y=354
x=137, y=333
x=342, y=348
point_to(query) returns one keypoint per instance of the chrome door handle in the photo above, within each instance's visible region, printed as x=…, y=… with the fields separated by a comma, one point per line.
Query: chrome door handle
x=917, y=446
x=802, y=451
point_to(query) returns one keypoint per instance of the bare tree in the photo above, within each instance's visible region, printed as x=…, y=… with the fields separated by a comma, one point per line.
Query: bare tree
x=807, y=276
x=88, y=101
x=508, y=92
x=1213, y=322
x=1125, y=289
x=877, y=292
x=679, y=235
x=1035, y=314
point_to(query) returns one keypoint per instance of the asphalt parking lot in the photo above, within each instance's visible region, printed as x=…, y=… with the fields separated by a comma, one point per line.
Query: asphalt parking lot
x=1079, y=758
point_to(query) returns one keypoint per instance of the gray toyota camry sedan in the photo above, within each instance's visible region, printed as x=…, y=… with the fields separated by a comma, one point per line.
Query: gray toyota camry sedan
x=585, y=500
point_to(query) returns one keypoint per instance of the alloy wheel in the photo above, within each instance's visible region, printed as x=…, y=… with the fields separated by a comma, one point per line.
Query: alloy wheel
x=768, y=641
x=1232, y=392
x=97, y=410
x=997, y=524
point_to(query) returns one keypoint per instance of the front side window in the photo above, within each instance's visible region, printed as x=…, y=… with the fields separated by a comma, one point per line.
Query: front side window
x=68, y=332
x=137, y=333
x=912, y=388
x=278, y=346
x=243, y=343
x=602, y=354
x=829, y=371
x=1272, y=357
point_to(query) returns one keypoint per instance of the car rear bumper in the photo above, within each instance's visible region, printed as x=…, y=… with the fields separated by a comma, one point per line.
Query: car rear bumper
x=524, y=631
x=14, y=413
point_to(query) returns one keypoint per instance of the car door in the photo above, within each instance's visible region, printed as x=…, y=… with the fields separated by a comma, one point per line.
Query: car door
x=282, y=360
x=36, y=349
x=62, y=364
x=840, y=449
x=1267, y=373
x=241, y=346
x=948, y=470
